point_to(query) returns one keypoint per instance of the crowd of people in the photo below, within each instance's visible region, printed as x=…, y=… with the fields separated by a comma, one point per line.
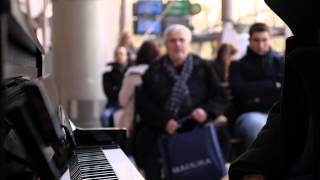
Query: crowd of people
x=148, y=95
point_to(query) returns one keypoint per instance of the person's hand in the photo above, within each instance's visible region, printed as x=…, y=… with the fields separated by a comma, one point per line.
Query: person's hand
x=171, y=126
x=278, y=85
x=254, y=177
x=221, y=120
x=200, y=115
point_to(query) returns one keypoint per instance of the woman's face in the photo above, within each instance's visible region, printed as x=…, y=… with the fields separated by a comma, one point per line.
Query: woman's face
x=121, y=55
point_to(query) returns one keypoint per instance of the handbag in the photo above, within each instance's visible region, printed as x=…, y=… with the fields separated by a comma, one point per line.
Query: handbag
x=192, y=154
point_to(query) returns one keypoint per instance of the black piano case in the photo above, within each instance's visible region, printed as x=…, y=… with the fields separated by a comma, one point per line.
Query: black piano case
x=47, y=141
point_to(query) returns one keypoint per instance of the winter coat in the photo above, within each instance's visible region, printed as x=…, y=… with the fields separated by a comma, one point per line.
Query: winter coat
x=255, y=81
x=205, y=91
x=112, y=80
x=288, y=146
x=124, y=117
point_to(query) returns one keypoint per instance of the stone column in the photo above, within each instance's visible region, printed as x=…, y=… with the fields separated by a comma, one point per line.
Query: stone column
x=84, y=35
x=227, y=11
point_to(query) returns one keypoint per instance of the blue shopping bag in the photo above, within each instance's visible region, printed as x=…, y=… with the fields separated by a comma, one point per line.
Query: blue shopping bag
x=193, y=155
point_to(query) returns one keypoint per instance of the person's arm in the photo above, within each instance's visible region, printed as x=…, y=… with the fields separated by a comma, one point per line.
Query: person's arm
x=127, y=89
x=105, y=83
x=150, y=112
x=111, y=89
x=251, y=92
x=262, y=159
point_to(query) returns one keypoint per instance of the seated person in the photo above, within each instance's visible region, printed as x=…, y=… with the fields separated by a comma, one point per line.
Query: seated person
x=112, y=80
x=255, y=82
x=288, y=147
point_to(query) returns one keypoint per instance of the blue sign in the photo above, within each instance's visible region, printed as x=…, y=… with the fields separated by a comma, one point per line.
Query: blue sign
x=147, y=8
x=147, y=25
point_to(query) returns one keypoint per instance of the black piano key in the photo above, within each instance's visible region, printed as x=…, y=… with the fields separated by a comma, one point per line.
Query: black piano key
x=76, y=176
x=95, y=163
x=102, y=178
x=91, y=164
x=99, y=176
x=99, y=173
x=91, y=171
x=96, y=168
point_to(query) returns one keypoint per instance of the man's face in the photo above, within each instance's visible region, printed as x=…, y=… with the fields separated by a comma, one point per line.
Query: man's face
x=178, y=46
x=121, y=55
x=260, y=42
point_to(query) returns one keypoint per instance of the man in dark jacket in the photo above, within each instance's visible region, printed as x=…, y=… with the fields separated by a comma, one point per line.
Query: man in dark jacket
x=178, y=85
x=255, y=82
x=288, y=147
x=112, y=80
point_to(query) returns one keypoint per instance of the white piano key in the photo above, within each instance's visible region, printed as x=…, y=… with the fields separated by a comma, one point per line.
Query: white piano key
x=121, y=164
x=66, y=175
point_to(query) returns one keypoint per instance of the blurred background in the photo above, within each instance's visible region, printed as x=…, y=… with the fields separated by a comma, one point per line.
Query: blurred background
x=79, y=37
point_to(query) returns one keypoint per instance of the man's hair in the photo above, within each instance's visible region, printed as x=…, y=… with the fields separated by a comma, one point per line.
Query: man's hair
x=258, y=27
x=175, y=28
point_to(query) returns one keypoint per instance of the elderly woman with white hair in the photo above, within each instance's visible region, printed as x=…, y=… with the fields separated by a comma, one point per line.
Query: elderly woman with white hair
x=179, y=85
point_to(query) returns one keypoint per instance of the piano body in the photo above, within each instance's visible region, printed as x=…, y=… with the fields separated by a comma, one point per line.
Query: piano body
x=40, y=138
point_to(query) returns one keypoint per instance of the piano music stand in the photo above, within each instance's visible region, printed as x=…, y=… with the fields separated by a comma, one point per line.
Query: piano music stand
x=18, y=47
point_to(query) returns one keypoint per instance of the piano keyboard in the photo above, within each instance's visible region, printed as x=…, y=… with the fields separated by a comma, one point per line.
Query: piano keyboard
x=91, y=164
x=100, y=164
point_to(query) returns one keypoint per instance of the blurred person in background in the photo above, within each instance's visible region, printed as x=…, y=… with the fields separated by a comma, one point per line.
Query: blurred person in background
x=221, y=63
x=147, y=54
x=180, y=84
x=225, y=55
x=288, y=147
x=125, y=40
x=112, y=80
x=255, y=81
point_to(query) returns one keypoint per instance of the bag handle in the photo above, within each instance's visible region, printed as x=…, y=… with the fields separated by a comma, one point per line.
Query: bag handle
x=184, y=119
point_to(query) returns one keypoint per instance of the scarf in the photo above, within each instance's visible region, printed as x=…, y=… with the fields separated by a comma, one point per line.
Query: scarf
x=180, y=91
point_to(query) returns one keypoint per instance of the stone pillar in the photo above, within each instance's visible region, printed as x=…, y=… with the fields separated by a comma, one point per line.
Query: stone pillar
x=84, y=35
x=227, y=10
